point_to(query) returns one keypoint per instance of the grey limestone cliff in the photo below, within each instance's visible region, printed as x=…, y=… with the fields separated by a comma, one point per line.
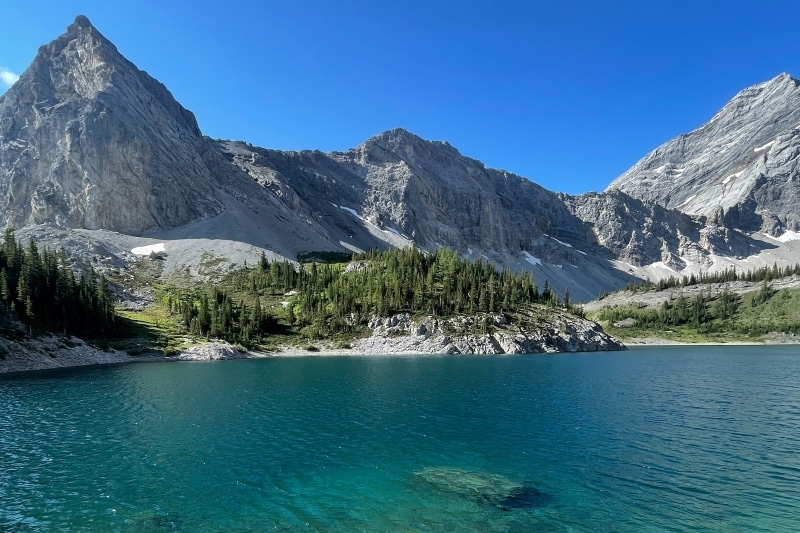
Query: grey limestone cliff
x=741, y=166
x=88, y=140
x=425, y=191
x=642, y=233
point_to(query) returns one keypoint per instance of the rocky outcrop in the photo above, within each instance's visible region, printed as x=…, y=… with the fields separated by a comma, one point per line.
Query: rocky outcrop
x=744, y=162
x=543, y=331
x=211, y=351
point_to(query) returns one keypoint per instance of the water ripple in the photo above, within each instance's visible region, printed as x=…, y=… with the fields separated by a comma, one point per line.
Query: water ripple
x=663, y=439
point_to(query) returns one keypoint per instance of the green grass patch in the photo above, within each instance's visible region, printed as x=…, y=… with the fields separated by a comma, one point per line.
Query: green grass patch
x=679, y=334
x=148, y=331
x=780, y=313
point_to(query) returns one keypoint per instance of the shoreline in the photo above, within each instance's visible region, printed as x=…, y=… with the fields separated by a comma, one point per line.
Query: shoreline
x=656, y=341
x=57, y=353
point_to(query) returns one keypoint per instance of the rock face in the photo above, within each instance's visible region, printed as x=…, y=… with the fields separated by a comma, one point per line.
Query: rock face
x=88, y=140
x=212, y=351
x=642, y=233
x=397, y=189
x=740, y=167
x=546, y=332
x=419, y=190
x=429, y=190
x=51, y=351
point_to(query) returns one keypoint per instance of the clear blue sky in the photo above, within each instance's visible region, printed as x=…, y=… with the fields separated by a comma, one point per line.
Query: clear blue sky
x=566, y=93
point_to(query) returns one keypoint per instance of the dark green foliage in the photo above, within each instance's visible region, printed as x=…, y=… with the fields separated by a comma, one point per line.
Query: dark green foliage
x=726, y=305
x=405, y=281
x=214, y=313
x=764, y=294
x=695, y=312
x=321, y=300
x=756, y=313
x=324, y=257
x=43, y=292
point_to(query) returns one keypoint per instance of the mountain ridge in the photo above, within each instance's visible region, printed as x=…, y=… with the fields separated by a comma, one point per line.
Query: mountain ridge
x=90, y=143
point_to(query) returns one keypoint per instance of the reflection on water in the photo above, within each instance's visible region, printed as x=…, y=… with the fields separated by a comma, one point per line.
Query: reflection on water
x=652, y=439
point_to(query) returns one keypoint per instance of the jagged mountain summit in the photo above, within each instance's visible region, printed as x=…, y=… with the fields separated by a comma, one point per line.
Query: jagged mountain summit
x=88, y=140
x=741, y=167
x=418, y=190
x=97, y=156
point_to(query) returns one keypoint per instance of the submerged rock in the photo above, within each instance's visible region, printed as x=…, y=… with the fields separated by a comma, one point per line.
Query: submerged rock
x=523, y=497
x=483, y=487
x=163, y=522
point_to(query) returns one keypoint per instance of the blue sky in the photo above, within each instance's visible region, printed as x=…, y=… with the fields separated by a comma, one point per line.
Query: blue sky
x=566, y=93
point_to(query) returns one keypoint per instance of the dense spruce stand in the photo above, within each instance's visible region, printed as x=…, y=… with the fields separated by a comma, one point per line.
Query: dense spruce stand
x=328, y=299
x=45, y=294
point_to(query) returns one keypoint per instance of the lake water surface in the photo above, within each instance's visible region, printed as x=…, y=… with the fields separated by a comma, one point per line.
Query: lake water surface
x=653, y=439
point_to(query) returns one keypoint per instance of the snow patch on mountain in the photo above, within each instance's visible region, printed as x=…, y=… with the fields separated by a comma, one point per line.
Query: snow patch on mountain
x=764, y=147
x=149, y=249
x=562, y=243
x=535, y=261
x=786, y=236
x=732, y=176
x=349, y=210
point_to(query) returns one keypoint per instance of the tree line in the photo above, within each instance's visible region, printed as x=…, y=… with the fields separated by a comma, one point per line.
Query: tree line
x=325, y=299
x=318, y=299
x=764, y=273
x=40, y=289
x=706, y=313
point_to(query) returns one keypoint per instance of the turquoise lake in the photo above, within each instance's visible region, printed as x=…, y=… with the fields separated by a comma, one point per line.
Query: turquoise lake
x=652, y=439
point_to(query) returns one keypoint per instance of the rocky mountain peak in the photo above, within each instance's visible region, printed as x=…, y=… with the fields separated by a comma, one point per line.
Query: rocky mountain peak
x=399, y=144
x=89, y=140
x=81, y=21
x=766, y=97
x=88, y=56
x=81, y=26
x=784, y=78
x=396, y=136
x=743, y=160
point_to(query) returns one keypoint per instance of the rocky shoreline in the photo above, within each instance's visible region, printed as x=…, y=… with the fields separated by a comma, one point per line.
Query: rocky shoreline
x=555, y=332
x=395, y=335
x=51, y=352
